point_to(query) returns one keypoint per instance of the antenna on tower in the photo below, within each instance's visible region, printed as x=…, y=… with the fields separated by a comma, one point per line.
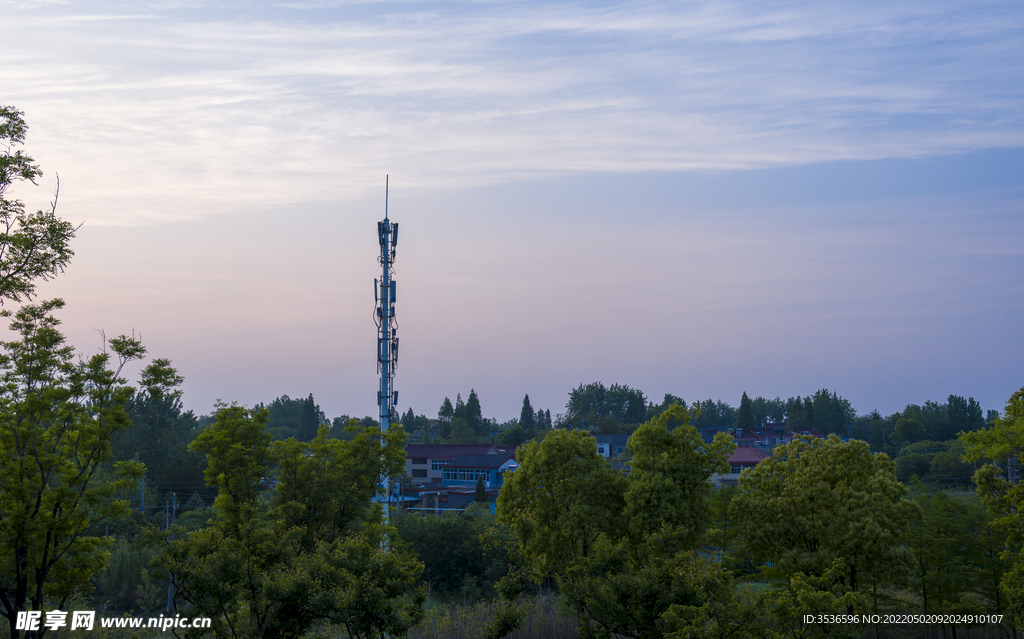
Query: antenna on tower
x=387, y=331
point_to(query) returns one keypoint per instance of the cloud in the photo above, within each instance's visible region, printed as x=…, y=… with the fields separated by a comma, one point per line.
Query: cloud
x=171, y=110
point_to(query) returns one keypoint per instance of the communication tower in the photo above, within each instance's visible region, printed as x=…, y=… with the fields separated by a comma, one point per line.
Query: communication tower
x=387, y=329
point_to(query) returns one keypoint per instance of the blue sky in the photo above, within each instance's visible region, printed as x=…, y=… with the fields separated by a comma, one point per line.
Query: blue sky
x=701, y=198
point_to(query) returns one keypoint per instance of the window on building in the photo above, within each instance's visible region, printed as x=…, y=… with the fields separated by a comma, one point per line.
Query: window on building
x=438, y=464
x=419, y=472
x=600, y=450
x=737, y=470
x=419, y=461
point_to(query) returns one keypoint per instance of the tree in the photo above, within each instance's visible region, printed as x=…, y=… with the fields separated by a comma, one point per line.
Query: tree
x=622, y=548
x=768, y=411
x=312, y=551
x=480, y=494
x=962, y=415
x=299, y=418
x=461, y=555
x=160, y=432
x=1001, y=445
x=543, y=420
x=474, y=416
x=444, y=418
x=818, y=500
x=831, y=412
x=618, y=402
x=908, y=430
x=461, y=433
x=949, y=549
x=57, y=418
x=527, y=418
x=745, y=416
x=714, y=414
x=33, y=246
x=796, y=416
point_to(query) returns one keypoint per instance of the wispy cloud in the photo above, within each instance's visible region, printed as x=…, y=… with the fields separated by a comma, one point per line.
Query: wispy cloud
x=169, y=110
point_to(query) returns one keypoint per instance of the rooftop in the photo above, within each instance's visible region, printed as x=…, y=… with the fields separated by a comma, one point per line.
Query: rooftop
x=448, y=451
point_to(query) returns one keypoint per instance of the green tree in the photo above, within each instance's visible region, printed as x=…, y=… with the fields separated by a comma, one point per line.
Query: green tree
x=298, y=418
x=715, y=414
x=461, y=433
x=463, y=557
x=543, y=421
x=818, y=500
x=474, y=416
x=57, y=417
x=160, y=431
x=444, y=418
x=622, y=549
x=796, y=415
x=1001, y=445
x=527, y=418
x=311, y=551
x=908, y=430
x=962, y=415
x=831, y=412
x=745, y=416
x=33, y=246
x=949, y=549
x=594, y=402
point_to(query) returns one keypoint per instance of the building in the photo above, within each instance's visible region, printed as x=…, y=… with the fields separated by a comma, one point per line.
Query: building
x=609, y=446
x=426, y=462
x=465, y=470
x=742, y=458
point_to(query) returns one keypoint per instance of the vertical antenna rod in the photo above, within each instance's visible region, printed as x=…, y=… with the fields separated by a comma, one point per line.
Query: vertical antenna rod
x=387, y=340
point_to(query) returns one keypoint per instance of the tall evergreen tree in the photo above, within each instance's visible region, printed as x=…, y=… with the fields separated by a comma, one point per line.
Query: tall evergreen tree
x=745, y=417
x=309, y=420
x=527, y=418
x=480, y=495
x=796, y=417
x=474, y=417
x=444, y=418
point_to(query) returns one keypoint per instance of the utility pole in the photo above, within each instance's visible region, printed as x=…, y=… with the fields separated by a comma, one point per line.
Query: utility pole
x=387, y=340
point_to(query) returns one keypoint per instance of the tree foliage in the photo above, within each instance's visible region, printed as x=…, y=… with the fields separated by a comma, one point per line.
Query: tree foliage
x=622, y=548
x=160, y=431
x=818, y=500
x=1001, y=445
x=594, y=402
x=745, y=415
x=272, y=564
x=57, y=417
x=33, y=246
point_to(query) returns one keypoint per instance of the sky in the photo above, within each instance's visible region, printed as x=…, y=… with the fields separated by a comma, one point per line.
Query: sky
x=696, y=198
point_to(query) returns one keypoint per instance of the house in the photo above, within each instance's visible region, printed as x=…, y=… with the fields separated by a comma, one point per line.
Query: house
x=507, y=449
x=742, y=458
x=465, y=470
x=610, y=446
x=769, y=435
x=425, y=462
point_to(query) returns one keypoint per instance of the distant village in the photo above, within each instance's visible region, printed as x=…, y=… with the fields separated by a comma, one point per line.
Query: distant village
x=443, y=477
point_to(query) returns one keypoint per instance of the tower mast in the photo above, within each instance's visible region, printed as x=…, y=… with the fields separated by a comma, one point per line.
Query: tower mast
x=387, y=339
